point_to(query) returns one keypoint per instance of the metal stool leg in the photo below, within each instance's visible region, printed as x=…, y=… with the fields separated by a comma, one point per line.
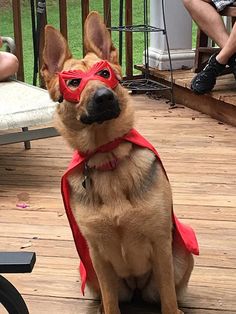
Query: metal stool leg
x=26, y=143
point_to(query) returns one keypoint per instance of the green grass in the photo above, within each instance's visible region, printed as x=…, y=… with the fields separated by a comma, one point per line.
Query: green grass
x=74, y=28
x=194, y=35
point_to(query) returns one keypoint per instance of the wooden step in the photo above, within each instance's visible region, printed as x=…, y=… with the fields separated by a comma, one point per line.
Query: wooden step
x=219, y=104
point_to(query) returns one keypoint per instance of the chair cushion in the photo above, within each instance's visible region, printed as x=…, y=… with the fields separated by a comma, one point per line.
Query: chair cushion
x=24, y=105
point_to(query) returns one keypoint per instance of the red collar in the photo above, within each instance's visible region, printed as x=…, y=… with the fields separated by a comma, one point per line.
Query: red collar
x=108, y=147
x=105, y=148
x=110, y=165
x=101, y=71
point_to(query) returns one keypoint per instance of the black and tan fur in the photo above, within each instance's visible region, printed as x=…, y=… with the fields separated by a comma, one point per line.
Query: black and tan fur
x=125, y=215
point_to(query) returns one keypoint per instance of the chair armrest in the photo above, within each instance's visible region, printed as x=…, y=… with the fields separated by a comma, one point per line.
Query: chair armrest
x=17, y=262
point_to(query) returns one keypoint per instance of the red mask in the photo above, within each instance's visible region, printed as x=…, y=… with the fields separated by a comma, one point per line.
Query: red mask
x=101, y=71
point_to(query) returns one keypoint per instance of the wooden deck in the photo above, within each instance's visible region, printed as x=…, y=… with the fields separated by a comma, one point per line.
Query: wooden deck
x=200, y=157
x=220, y=103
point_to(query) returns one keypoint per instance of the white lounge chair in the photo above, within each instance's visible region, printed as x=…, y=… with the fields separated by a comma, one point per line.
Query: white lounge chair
x=21, y=106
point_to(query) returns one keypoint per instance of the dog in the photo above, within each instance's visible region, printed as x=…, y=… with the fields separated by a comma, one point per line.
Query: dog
x=116, y=192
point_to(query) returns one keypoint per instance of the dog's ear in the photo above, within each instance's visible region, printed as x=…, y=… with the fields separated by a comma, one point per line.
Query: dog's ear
x=55, y=53
x=97, y=38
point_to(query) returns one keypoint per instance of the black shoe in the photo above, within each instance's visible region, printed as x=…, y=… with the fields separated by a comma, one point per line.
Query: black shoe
x=205, y=80
x=232, y=64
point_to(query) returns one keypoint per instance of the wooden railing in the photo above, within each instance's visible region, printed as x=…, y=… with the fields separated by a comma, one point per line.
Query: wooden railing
x=63, y=22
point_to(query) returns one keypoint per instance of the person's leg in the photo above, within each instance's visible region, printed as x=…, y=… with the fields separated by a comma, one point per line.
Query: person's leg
x=229, y=48
x=8, y=65
x=208, y=19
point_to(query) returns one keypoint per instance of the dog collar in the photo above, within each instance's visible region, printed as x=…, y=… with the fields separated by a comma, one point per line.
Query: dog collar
x=110, y=165
x=73, y=82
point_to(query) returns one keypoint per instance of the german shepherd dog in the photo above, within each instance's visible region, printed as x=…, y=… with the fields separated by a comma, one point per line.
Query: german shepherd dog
x=119, y=193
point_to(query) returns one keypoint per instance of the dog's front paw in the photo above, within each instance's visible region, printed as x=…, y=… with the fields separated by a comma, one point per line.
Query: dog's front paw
x=179, y=312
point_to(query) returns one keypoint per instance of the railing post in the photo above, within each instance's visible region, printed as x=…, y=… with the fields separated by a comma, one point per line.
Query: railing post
x=107, y=12
x=85, y=12
x=179, y=30
x=18, y=37
x=63, y=17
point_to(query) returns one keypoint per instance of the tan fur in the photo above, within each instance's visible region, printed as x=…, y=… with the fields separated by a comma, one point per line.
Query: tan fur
x=126, y=215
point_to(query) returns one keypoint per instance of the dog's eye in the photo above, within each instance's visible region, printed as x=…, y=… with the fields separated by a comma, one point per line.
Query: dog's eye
x=73, y=83
x=104, y=73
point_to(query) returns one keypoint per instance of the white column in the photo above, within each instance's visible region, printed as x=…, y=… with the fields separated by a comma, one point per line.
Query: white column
x=179, y=31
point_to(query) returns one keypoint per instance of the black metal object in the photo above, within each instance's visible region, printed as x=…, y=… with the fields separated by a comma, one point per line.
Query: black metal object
x=33, y=23
x=36, y=19
x=11, y=299
x=144, y=84
x=17, y=262
x=14, y=262
x=137, y=28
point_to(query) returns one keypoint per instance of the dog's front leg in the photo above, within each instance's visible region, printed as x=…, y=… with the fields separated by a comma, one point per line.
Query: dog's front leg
x=108, y=282
x=163, y=272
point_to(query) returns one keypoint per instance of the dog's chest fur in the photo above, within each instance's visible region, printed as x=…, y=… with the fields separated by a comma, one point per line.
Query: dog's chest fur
x=124, y=210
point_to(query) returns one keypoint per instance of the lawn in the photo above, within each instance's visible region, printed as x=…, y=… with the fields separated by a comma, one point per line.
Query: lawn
x=74, y=28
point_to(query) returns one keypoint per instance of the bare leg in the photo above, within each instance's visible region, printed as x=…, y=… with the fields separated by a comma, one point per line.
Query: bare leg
x=8, y=65
x=229, y=48
x=208, y=19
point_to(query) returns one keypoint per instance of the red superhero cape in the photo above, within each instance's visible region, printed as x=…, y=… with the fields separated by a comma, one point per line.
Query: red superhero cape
x=182, y=233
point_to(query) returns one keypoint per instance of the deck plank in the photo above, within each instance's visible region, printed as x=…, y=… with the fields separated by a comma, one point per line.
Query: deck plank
x=200, y=157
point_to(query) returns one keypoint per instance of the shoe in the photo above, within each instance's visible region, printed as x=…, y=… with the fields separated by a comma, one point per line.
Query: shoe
x=205, y=80
x=232, y=64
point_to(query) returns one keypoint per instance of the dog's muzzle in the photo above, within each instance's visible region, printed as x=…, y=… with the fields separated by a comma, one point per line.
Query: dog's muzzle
x=103, y=106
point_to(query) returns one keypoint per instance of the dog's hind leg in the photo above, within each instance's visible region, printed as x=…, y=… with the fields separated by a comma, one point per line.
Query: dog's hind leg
x=182, y=285
x=183, y=266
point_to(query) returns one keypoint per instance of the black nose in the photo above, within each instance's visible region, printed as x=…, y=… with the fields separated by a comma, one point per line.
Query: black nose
x=103, y=99
x=104, y=105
